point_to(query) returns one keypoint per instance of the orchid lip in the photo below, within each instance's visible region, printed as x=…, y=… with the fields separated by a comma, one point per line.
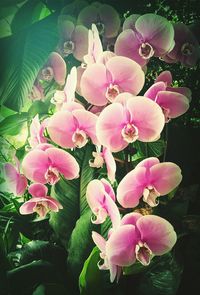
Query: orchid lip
x=79, y=138
x=41, y=208
x=52, y=175
x=100, y=27
x=150, y=195
x=68, y=47
x=47, y=74
x=112, y=91
x=98, y=160
x=130, y=133
x=146, y=50
x=143, y=253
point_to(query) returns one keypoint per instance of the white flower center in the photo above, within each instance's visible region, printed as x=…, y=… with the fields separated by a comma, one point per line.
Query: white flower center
x=98, y=160
x=146, y=50
x=143, y=253
x=130, y=133
x=41, y=208
x=100, y=27
x=150, y=195
x=79, y=138
x=187, y=49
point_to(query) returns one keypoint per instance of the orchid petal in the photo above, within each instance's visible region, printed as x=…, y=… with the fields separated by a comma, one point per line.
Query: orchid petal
x=59, y=67
x=154, y=90
x=165, y=77
x=38, y=190
x=110, y=164
x=80, y=39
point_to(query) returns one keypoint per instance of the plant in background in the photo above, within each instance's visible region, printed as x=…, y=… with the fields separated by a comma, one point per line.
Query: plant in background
x=96, y=122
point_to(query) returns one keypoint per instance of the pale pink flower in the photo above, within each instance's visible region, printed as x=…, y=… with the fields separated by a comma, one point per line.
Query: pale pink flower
x=55, y=68
x=101, y=199
x=16, y=182
x=129, y=119
x=171, y=100
x=40, y=202
x=104, y=16
x=47, y=166
x=65, y=99
x=73, y=38
x=118, y=74
x=150, y=179
x=72, y=129
x=104, y=156
x=145, y=36
x=37, y=132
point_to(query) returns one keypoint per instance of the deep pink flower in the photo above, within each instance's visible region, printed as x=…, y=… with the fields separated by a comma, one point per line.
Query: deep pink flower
x=101, y=199
x=150, y=179
x=186, y=49
x=16, y=182
x=140, y=238
x=137, y=238
x=40, y=202
x=118, y=74
x=37, y=132
x=172, y=102
x=74, y=38
x=104, y=156
x=72, y=129
x=104, y=16
x=55, y=68
x=129, y=119
x=46, y=166
x=65, y=99
x=149, y=35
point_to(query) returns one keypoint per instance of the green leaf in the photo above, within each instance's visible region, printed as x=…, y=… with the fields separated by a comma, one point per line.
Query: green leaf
x=71, y=194
x=163, y=278
x=23, y=54
x=38, y=107
x=150, y=149
x=80, y=245
x=90, y=279
x=5, y=3
x=12, y=125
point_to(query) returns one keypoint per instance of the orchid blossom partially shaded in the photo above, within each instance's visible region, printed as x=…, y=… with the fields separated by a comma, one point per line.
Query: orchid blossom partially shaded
x=16, y=182
x=145, y=36
x=101, y=199
x=104, y=156
x=37, y=132
x=104, y=16
x=118, y=74
x=40, y=202
x=129, y=119
x=72, y=129
x=73, y=38
x=55, y=68
x=47, y=166
x=150, y=179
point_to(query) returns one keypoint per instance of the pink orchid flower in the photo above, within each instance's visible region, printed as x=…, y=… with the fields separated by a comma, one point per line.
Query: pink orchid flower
x=137, y=238
x=16, y=182
x=40, y=202
x=150, y=179
x=104, y=16
x=173, y=103
x=73, y=38
x=37, y=132
x=149, y=35
x=55, y=68
x=101, y=199
x=118, y=74
x=37, y=92
x=104, y=157
x=72, y=129
x=186, y=49
x=65, y=99
x=45, y=166
x=129, y=119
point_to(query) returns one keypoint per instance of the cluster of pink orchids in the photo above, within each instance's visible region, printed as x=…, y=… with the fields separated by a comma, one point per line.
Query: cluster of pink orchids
x=114, y=117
